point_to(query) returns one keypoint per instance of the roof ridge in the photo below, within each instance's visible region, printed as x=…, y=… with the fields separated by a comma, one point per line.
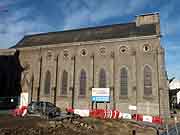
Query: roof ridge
x=122, y=30
x=80, y=29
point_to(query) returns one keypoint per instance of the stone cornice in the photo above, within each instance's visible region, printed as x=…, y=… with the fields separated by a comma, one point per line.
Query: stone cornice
x=7, y=51
x=89, y=42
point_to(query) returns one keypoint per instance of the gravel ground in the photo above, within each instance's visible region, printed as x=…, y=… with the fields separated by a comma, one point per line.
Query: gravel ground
x=86, y=126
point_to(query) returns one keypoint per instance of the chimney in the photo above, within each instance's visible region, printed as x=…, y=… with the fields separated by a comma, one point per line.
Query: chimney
x=150, y=18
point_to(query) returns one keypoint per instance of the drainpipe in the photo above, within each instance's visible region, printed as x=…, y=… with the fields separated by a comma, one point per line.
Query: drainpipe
x=92, y=80
x=158, y=83
x=114, y=100
x=40, y=70
x=136, y=82
x=55, y=90
x=32, y=86
x=73, y=89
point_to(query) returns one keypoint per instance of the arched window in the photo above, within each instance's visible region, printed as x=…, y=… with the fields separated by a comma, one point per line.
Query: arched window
x=47, y=84
x=82, y=90
x=102, y=78
x=64, y=83
x=124, y=82
x=147, y=81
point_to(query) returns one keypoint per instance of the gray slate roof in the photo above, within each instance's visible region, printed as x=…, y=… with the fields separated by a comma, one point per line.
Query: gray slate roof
x=88, y=34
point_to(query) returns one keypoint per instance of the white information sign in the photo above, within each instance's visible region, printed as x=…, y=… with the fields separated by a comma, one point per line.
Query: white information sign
x=101, y=94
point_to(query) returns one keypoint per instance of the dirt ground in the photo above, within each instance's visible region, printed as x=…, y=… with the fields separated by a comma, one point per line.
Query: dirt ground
x=85, y=126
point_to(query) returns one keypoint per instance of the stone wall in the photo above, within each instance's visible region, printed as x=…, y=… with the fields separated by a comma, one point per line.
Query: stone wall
x=107, y=54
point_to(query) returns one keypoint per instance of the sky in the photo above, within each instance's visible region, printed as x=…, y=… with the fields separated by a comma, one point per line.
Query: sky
x=24, y=17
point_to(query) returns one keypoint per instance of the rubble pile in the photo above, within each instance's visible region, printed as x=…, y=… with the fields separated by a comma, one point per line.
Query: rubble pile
x=81, y=126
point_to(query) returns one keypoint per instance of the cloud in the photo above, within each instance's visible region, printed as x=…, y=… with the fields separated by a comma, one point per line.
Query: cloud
x=6, y=3
x=172, y=58
x=30, y=19
x=170, y=28
x=169, y=20
x=73, y=14
x=16, y=24
x=85, y=12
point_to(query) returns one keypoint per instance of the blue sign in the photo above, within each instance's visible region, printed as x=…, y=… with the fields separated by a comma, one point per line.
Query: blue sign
x=100, y=98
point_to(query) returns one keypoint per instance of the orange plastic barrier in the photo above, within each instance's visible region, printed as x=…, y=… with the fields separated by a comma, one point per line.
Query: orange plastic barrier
x=105, y=114
x=115, y=114
x=20, y=111
x=152, y=119
x=69, y=110
x=138, y=117
x=98, y=113
x=157, y=120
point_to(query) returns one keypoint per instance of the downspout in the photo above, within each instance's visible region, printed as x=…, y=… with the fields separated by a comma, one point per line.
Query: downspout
x=55, y=90
x=40, y=70
x=136, y=82
x=32, y=86
x=73, y=89
x=157, y=63
x=93, y=80
x=114, y=101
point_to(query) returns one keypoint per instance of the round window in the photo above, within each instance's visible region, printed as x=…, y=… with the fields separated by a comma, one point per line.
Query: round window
x=83, y=52
x=123, y=49
x=102, y=50
x=65, y=53
x=49, y=54
x=146, y=47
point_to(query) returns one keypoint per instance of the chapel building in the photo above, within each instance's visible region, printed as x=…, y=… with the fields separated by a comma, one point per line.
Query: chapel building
x=63, y=67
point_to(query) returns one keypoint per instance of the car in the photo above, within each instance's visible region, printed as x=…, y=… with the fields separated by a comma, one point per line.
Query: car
x=43, y=109
x=177, y=106
x=173, y=113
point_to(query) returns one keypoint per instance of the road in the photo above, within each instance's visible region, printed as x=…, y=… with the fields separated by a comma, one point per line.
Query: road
x=173, y=131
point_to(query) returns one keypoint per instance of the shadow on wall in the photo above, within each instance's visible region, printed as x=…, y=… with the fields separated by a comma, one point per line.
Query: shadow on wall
x=10, y=79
